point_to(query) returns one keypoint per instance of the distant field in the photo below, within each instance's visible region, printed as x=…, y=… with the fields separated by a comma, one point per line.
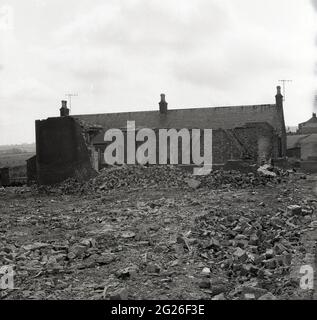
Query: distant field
x=13, y=160
x=27, y=147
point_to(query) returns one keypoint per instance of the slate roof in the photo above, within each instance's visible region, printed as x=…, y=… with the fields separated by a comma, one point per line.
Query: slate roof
x=311, y=139
x=311, y=122
x=295, y=141
x=203, y=118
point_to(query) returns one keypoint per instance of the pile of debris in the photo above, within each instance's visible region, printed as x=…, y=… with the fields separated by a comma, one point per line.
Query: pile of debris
x=119, y=177
x=168, y=176
x=140, y=176
x=237, y=180
x=254, y=248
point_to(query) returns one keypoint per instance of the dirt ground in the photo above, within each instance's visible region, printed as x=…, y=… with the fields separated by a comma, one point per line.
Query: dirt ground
x=160, y=243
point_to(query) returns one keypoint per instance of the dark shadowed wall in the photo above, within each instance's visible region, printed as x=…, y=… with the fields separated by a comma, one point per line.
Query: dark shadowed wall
x=61, y=151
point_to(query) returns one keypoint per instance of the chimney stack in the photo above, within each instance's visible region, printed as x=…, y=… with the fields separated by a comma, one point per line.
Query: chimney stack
x=64, y=111
x=314, y=115
x=163, y=104
x=279, y=97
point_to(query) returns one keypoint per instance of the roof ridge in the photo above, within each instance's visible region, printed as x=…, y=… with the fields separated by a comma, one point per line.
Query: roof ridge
x=180, y=109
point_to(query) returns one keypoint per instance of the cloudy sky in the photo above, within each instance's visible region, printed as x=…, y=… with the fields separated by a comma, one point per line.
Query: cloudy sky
x=119, y=55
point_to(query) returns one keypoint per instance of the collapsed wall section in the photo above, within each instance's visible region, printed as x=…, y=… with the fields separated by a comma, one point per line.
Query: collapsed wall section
x=61, y=151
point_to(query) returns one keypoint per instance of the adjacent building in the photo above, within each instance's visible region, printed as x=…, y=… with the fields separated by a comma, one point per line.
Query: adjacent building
x=309, y=126
x=302, y=146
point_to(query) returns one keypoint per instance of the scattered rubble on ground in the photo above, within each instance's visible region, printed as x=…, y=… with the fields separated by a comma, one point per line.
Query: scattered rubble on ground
x=157, y=233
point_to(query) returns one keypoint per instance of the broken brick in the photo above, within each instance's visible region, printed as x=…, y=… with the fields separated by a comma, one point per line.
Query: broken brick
x=295, y=209
x=240, y=255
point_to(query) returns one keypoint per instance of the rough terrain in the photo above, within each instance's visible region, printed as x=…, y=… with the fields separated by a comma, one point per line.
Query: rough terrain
x=160, y=234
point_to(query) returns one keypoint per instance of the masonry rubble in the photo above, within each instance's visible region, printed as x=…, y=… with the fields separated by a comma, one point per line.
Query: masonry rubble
x=229, y=252
x=138, y=177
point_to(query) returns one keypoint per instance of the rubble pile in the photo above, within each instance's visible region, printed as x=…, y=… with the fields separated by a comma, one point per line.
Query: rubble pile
x=120, y=177
x=140, y=176
x=136, y=177
x=237, y=180
x=253, y=246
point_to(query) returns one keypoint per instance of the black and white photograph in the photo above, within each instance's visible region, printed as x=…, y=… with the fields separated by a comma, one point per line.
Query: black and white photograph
x=155, y=150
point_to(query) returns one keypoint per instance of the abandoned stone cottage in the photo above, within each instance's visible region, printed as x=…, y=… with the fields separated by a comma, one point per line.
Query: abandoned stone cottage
x=308, y=127
x=73, y=145
x=302, y=146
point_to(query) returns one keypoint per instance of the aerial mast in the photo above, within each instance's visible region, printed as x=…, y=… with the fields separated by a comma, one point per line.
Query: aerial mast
x=284, y=81
x=69, y=96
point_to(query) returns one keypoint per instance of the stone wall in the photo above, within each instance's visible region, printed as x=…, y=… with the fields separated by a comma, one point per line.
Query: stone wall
x=308, y=130
x=308, y=150
x=4, y=177
x=309, y=166
x=31, y=170
x=61, y=151
x=253, y=142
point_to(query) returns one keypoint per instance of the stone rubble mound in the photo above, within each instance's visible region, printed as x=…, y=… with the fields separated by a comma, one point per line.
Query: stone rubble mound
x=168, y=176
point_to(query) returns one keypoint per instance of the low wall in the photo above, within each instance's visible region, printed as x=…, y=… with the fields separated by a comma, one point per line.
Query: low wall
x=4, y=177
x=309, y=166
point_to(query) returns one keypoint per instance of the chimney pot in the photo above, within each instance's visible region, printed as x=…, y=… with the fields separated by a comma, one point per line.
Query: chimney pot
x=314, y=115
x=278, y=89
x=64, y=104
